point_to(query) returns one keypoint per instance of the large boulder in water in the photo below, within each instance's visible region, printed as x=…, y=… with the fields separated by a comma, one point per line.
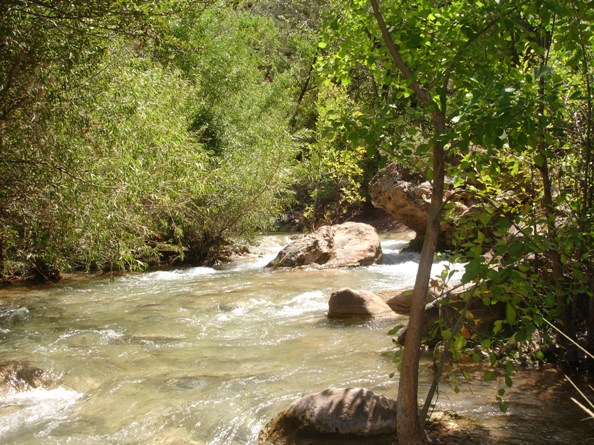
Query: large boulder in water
x=339, y=416
x=348, y=244
x=356, y=304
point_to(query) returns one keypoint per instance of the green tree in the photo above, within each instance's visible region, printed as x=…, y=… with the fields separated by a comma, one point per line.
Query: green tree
x=243, y=103
x=150, y=142
x=475, y=69
x=103, y=164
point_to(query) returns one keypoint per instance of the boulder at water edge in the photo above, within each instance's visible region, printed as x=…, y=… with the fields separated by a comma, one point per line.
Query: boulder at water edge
x=356, y=304
x=348, y=244
x=406, y=196
x=335, y=416
x=400, y=301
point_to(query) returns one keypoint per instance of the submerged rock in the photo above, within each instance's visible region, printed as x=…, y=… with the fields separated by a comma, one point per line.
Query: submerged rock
x=356, y=304
x=348, y=244
x=19, y=376
x=334, y=416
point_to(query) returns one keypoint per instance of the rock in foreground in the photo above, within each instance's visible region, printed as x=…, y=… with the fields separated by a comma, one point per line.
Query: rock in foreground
x=334, y=416
x=348, y=244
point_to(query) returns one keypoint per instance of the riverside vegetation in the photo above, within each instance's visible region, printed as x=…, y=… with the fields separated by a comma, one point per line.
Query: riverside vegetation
x=138, y=133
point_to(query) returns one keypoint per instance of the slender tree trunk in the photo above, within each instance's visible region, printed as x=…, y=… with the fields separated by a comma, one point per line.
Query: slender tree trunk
x=408, y=425
x=407, y=414
x=1, y=257
x=304, y=89
x=552, y=254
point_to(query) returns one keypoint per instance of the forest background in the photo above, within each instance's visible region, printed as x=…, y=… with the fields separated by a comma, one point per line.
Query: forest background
x=137, y=133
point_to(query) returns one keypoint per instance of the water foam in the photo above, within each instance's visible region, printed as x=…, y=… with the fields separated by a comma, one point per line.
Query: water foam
x=34, y=408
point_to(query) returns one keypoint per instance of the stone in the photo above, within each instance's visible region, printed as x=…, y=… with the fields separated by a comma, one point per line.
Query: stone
x=399, y=301
x=348, y=244
x=406, y=196
x=356, y=304
x=18, y=376
x=355, y=244
x=315, y=248
x=334, y=416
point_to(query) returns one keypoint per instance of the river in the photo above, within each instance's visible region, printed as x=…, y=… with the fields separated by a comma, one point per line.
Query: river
x=209, y=355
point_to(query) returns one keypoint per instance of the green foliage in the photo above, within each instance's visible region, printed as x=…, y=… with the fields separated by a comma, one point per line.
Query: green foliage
x=508, y=88
x=99, y=168
x=241, y=110
x=119, y=159
x=334, y=163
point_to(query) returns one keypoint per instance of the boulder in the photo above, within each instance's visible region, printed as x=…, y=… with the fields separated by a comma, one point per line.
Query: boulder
x=399, y=301
x=355, y=244
x=406, y=196
x=18, y=376
x=334, y=416
x=348, y=244
x=356, y=304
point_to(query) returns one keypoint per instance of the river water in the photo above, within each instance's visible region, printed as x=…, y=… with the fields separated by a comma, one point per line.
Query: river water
x=208, y=356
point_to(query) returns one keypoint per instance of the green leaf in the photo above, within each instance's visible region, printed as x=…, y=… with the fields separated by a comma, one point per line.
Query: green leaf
x=542, y=71
x=395, y=329
x=488, y=376
x=511, y=315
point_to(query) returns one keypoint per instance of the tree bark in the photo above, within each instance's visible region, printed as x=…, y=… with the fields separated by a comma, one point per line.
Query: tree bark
x=408, y=425
x=407, y=415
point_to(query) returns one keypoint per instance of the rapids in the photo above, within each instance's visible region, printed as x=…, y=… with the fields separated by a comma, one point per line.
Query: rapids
x=209, y=355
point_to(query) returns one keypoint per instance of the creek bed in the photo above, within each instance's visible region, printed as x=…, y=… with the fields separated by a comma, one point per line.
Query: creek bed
x=209, y=355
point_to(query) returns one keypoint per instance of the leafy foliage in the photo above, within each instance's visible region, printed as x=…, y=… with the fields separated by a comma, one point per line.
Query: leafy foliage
x=125, y=142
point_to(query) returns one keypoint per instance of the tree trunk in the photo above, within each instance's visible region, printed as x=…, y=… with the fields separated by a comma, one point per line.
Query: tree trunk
x=407, y=414
x=408, y=425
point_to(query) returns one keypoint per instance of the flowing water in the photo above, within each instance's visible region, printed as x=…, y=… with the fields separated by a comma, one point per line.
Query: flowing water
x=208, y=356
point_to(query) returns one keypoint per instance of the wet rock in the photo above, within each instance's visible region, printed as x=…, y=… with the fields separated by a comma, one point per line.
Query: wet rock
x=356, y=304
x=334, y=416
x=20, y=376
x=348, y=244
x=399, y=301
x=10, y=315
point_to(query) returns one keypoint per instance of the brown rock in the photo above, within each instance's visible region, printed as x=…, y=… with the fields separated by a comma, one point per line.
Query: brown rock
x=403, y=195
x=335, y=416
x=356, y=304
x=406, y=196
x=399, y=301
x=20, y=376
x=348, y=244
